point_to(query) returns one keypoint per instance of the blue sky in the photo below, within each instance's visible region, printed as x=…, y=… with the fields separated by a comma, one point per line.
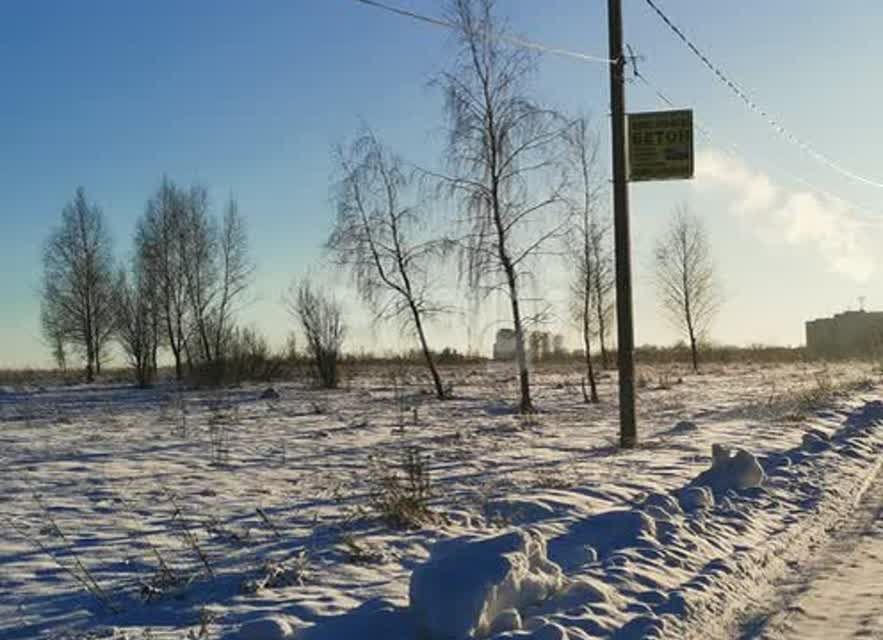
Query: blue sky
x=249, y=97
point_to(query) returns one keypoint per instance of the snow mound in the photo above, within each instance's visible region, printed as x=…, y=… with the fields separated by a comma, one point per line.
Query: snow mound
x=661, y=506
x=270, y=628
x=693, y=498
x=269, y=394
x=600, y=535
x=731, y=469
x=815, y=441
x=508, y=620
x=537, y=506
x=468, y=583
x=684, y=426
x=549, y=631
x=518, y=511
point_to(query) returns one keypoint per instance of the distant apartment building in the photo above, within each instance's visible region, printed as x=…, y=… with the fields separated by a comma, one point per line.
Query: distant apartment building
x=504, y=345
x=540, y=345
x=847, y=334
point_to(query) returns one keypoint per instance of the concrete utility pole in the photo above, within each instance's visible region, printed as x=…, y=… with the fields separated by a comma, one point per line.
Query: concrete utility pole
x=628, y=433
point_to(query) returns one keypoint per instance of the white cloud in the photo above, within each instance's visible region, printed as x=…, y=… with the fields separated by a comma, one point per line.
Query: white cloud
x=797, y=218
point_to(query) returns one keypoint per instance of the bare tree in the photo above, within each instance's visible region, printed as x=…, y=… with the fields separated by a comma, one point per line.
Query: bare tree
x=375, y=237
x=501, y=154
x=235, y=269
x=159, y=238
x=197, y=247
x=321, y=319
x=584, y=246
x=201, y=269
x=78, y=281
x=685, y=278
x=135, y=301
x=603, y=284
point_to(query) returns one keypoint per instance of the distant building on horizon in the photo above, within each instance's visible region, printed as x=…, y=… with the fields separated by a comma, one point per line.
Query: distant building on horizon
x=540, y=345
x=847, y=334
x=504, y=345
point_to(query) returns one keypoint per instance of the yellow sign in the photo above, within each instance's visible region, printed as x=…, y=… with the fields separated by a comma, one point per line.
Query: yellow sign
x=660, y=145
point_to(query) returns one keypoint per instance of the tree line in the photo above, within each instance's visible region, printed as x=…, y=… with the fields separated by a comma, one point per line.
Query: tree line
x=187, y=272
x=523, y=180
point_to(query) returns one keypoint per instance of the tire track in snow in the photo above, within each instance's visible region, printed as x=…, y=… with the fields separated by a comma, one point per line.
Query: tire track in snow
x=839, y=594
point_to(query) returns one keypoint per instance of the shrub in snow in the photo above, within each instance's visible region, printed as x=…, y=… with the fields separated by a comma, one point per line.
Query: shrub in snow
x=468, y=583
x=402, y=497
x=731, y=469
x=276, y=575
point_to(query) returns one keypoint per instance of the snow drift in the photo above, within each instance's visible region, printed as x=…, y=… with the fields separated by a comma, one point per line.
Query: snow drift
x=470, y=587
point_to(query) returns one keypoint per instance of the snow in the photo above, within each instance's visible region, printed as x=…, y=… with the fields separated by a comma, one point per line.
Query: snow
x=270, y=628
x=731, y=469
x=693, y=498
x=469, y=586
x=655, y=542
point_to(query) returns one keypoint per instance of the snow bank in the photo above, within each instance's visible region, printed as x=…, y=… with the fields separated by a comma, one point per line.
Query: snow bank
x=468, y=583
x=694, y=498
x=269, y=394
x=270, y=628
x=599, y=536
x=731, y=468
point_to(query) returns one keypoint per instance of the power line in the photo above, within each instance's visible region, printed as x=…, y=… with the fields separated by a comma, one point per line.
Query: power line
x=749, y=101
x=734, y=150
x=703, y=130
x=519, y=42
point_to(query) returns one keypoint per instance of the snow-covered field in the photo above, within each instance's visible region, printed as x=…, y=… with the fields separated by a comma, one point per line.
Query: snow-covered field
x=221, y=514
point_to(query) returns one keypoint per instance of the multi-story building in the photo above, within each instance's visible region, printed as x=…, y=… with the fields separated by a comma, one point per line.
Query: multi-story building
x=847, y=334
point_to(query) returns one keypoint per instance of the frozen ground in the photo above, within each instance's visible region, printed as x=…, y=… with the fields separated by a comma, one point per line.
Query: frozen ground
x=220, y=514
x=838, y=591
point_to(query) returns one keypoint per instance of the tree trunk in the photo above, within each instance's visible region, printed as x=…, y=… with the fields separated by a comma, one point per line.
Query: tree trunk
x=97, y=357
x=436, y=378
x=590, y=370
x=602, y=334
x=90, y=373
x=175, y=347
x=526, y=405
x=694, y=351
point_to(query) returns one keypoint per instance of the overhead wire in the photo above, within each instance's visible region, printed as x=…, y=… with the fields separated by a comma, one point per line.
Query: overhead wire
x=774, y=122
x=519, y=42
x=703, y=130
x=735, y=151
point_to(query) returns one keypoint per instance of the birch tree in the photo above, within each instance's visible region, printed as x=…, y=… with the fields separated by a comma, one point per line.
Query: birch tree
x=584, y=245
x=377, y=237
x=501, y=158
x=201, y=268
x=685, y=278
x=160, y=241
x=77, y=305
x=134, y=304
